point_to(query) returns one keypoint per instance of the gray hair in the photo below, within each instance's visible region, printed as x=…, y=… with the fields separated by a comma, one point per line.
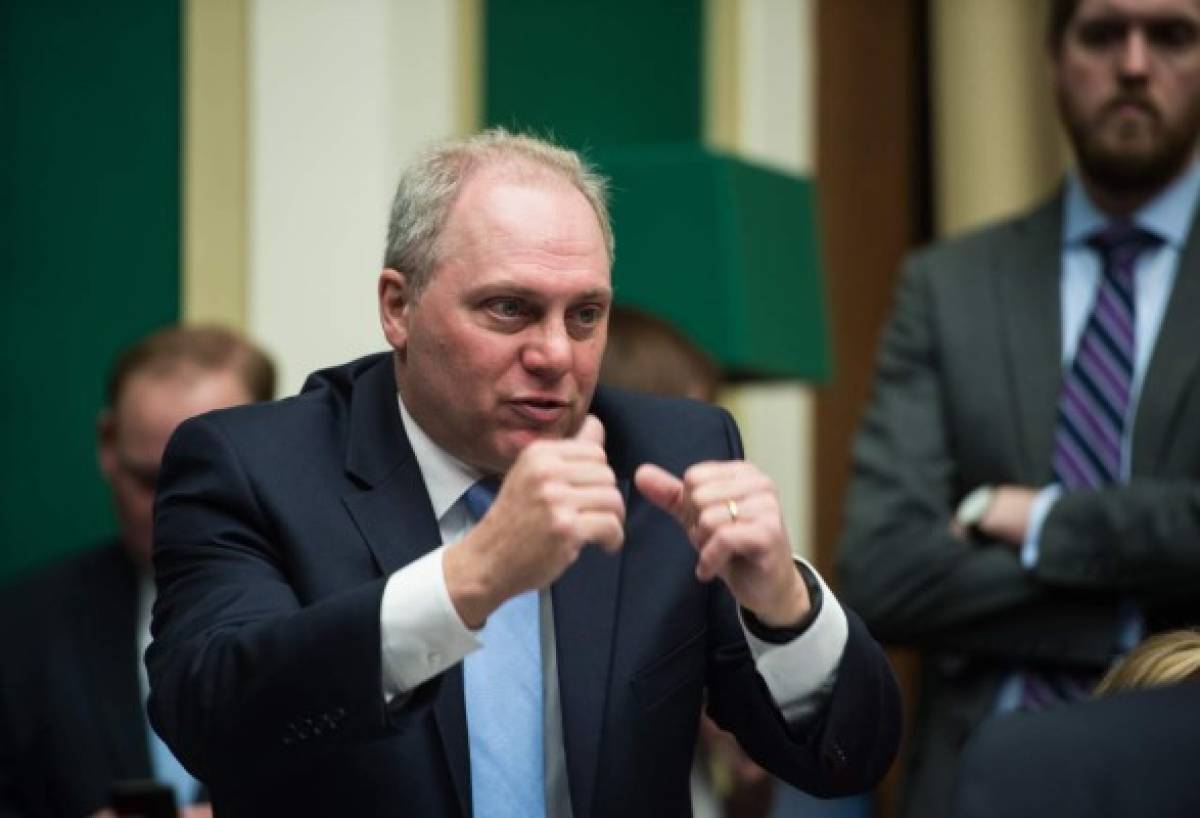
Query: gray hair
x=431, y=184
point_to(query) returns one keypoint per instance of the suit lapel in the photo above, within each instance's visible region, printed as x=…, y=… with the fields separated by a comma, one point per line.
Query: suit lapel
x=585, y=611
x=1028, y=288
x=1173, y=366
x=395, y=517
x=392, y=511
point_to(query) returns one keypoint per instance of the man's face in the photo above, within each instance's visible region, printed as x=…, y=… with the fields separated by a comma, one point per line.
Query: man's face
x=1127, y=78
x=134, y=435
x=503, y=345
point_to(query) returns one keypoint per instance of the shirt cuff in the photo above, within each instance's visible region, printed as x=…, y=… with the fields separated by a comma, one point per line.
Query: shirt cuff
x=421, y=632
x=801, y=673
x=1042, y=503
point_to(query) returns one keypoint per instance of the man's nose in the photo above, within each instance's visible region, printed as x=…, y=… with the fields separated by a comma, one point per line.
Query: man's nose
x=1134, y=57
x=548, y=351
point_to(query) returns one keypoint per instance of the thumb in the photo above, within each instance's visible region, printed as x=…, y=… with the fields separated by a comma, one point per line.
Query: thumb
x=591, y=431
x=661, y=488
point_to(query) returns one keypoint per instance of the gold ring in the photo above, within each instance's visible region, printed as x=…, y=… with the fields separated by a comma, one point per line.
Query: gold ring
x=733, y=510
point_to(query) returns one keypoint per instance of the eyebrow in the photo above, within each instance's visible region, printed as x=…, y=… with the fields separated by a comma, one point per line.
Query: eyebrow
x=1146, y=18
x=533, y=294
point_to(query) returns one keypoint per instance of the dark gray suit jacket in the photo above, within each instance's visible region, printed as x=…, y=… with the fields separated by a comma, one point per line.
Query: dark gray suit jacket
x=966, y=394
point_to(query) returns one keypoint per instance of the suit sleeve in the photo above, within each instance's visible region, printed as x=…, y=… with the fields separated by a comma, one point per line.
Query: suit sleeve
x=900, y=566
x=238, y=668
x=847, y=745
x=1142, y=538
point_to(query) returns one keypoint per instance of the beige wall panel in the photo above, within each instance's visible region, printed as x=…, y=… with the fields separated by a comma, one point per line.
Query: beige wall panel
x=776, y=424
x=761, y=91
x=997, y=147
x=214, y=163
x=342, y=93
x=776, y=83
x=721, y=87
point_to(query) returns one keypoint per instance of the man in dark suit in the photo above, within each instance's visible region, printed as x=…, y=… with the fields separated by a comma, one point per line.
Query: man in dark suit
x=72, y=715
x=1129, y=755
x=1025, y=500
x=448, y=581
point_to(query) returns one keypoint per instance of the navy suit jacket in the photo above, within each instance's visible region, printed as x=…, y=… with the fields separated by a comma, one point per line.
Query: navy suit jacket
x=277, y=526
x=71, y=720
x=1132, y=754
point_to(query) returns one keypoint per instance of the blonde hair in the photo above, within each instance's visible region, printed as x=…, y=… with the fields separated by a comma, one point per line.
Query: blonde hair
x=1163, y=659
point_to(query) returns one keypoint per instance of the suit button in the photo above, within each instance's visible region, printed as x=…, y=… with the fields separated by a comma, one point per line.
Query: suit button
x=835, y=757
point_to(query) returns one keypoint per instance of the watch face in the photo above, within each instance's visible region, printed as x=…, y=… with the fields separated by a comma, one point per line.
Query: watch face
x=972, y=508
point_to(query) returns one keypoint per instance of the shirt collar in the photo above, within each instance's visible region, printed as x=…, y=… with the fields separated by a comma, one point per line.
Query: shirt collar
x=1168, y=215
x=446, y=477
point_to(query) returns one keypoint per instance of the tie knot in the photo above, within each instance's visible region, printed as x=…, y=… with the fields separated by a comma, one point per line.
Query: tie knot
x=1122, y=241
x=480, y=495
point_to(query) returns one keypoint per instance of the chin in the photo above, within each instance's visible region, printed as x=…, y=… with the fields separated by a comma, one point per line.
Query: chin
x=509, y=447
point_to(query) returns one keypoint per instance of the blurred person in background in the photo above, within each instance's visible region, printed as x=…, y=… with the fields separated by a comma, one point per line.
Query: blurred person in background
x=648, y=354
x=1165, y=658
x=1132, y=752
x=72, y=684
x=1025, y=497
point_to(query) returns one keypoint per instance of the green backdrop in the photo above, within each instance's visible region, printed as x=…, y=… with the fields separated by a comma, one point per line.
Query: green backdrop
x=724, y=249
x=89, y=245
x=595, y=73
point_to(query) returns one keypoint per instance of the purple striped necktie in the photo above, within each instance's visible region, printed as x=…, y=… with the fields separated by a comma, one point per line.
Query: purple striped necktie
x=1093, y=408
x=1094, y=405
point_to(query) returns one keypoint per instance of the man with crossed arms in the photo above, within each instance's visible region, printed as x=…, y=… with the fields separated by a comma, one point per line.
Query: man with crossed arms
x=1025, y=502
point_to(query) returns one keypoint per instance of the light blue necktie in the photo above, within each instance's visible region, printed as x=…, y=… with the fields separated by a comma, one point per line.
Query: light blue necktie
x=503, y=688
x=169, y=771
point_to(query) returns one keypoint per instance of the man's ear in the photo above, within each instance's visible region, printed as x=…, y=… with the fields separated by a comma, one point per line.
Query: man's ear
x=106, y=444
x=395, y=303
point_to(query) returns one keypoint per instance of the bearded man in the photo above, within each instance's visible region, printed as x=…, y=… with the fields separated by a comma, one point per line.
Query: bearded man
x=1025, y=502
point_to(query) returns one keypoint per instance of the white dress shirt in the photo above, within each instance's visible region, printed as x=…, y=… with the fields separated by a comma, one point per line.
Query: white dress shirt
x=423, y=635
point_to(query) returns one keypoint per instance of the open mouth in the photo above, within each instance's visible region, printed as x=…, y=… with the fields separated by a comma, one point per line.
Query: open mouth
x=540, y=411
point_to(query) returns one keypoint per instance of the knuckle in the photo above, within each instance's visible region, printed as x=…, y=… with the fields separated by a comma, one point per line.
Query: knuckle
x=553, y=491
x=543, y=469
x=562, y=523
x=724, y=538
x=711, y=517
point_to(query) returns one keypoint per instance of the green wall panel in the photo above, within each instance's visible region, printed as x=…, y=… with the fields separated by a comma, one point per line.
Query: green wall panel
x=89, y=245
x=725, y=250
x=595, y=72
